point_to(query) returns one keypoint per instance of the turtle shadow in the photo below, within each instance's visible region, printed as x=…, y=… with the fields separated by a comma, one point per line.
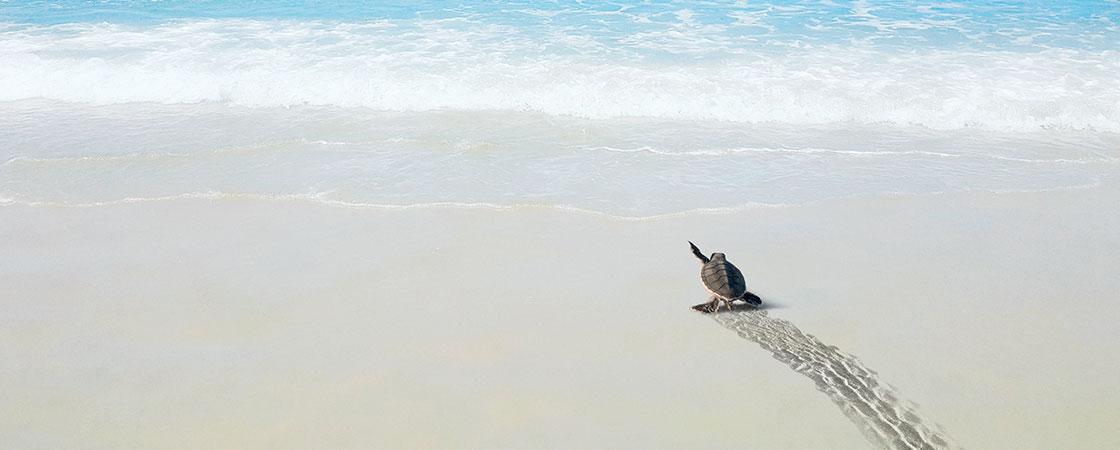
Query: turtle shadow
x=884, y=418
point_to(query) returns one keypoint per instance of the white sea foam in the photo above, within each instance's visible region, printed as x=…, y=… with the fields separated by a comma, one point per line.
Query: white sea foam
x=850, y=153
x=803, y=151
x=463, y=65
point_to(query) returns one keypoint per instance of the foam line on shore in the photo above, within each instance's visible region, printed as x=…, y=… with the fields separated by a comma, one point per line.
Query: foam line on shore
x=729, y=151
x=320, y=199
x=852, y=153
x=459, y=146
x=875, y=407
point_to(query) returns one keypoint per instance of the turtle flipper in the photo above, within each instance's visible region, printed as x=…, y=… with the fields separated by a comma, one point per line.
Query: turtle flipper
x=709, y=307
x=705, y=308
x=752, y=299
x=696, y=251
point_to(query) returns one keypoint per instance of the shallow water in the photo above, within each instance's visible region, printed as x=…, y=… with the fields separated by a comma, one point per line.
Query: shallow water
x=631, y=110
x=81, y=155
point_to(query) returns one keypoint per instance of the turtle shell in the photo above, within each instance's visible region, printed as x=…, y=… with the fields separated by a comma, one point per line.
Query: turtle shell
x=723, y=278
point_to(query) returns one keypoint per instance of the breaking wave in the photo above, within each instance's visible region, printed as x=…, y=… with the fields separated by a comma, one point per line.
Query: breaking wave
x=478, y=66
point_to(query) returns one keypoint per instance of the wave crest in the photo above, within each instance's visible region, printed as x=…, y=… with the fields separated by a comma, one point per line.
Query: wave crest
x=439, y=66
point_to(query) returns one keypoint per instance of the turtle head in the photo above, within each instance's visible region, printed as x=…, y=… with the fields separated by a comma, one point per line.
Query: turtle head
x=718, y=256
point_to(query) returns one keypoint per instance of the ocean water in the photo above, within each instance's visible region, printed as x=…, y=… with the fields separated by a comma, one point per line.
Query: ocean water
x=628, y=109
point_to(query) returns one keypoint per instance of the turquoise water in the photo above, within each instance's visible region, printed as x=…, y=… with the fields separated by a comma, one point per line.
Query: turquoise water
x=633, y=109
x=976, y=24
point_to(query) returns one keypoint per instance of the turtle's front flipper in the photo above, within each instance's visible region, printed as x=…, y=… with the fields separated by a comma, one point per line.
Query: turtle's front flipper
x=708, y=307
x=752, y=299
x=696, y=251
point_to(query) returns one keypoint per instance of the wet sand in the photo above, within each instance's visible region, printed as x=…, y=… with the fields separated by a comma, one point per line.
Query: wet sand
x=198, y=323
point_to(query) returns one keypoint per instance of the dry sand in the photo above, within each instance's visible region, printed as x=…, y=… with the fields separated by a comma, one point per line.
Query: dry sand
x=196, y=323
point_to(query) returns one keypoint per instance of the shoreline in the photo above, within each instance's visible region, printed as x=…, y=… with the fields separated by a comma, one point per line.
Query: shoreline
x=317, y=199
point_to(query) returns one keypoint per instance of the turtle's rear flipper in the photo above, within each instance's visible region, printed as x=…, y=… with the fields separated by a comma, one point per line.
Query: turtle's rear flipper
x=752, y=299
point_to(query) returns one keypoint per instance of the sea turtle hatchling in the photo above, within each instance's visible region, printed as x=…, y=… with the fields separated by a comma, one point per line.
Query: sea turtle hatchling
x=724, y=281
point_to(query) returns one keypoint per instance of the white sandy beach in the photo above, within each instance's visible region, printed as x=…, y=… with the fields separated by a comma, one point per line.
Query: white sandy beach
x=289, y=324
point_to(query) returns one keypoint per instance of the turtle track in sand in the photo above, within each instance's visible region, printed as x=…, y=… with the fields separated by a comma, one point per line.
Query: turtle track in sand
x=885, y=420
